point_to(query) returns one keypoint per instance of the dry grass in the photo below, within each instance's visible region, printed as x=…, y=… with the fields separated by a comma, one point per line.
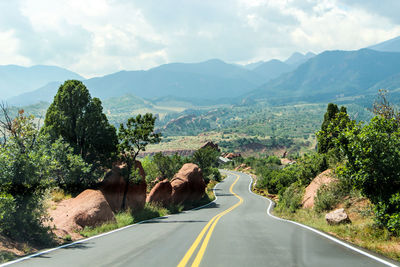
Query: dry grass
x=362, y=231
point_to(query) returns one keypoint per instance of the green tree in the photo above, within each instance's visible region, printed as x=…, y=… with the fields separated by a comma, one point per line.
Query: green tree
x=133, y=138
x=80, y=121
x=168, y=166
x=373, y=165
x=25, y=176
x=207, y=159
x=329, y=128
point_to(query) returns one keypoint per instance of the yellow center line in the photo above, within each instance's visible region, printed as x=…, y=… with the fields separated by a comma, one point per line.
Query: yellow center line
x=213, y=222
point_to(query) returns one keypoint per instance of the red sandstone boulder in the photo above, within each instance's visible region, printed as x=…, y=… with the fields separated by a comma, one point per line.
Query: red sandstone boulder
x=232, y=155
x=161, y=193
x=90, y=208
x=114, y=184
x=188, y=184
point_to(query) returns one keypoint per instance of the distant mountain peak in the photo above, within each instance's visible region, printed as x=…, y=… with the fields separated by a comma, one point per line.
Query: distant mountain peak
x=298, y=58
x=392, y=45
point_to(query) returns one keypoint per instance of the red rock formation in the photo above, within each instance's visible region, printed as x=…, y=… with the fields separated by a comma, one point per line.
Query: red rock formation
x=90, y=208
x=161, y=193
x=232, y=155
x=113, y=188
x=188, y=184
x=211, y=145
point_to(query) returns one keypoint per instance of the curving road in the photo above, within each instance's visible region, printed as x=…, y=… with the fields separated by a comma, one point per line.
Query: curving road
x=235, y=230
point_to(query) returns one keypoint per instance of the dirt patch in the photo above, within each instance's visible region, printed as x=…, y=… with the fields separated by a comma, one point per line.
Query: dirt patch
x=7, y=245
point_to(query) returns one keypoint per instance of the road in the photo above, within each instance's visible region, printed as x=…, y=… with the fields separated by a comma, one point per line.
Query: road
x=235, y=230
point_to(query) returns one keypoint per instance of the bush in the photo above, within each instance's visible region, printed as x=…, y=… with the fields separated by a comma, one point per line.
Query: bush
x=326, y=198
x=215, y=175
x=387, y=214
x=291, y=198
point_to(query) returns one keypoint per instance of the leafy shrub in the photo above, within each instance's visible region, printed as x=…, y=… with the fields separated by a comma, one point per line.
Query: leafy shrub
x=291, y=198
x=215, y=175
x=388, y=214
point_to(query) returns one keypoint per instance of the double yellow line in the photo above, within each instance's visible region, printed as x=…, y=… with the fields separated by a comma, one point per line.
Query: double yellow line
x=213, y=222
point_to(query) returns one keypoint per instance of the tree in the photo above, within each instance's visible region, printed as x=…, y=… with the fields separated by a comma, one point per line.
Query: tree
x=330, y=128
x=207, y=159
x=25, y=176
x=168, y=166
x=80, y=121
x=373, y=166
x=133, y=138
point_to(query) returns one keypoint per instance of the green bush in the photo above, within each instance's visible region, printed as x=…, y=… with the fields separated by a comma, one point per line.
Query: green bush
x=387, y=214
x=326, y=198
x=290, y=200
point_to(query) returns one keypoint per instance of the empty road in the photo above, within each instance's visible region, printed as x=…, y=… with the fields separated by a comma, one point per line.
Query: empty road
x=235, y=230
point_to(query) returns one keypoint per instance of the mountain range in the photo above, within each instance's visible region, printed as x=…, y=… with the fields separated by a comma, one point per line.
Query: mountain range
x=302, y=77
x=15, y=80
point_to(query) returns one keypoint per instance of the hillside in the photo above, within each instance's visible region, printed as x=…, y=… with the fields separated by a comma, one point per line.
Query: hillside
x=15, y=80
x=392, y=45
x=272, y=69
x=331, y=75
x=206, y=80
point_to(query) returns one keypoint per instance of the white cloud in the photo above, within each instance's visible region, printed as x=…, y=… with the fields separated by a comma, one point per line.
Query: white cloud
x=96, y=37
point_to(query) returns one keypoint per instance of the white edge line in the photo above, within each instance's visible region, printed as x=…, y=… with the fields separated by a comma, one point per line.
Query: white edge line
x=104, y=234
x=317, y=231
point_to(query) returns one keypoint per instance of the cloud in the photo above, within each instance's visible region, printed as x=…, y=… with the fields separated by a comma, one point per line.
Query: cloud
x=97, y=37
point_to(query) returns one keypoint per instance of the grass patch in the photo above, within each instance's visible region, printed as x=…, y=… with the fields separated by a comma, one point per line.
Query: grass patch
x=58, y=194
x=7, y=256
x=122, y=219
x=362, y=231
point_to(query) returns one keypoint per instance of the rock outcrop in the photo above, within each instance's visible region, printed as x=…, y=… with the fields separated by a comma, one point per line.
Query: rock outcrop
x=161, y=193
x=337, y=217
x=231, y=155
x=90, y=208
x=188, y=184
x=211, y=145
x=114, y=184
x=323, y=178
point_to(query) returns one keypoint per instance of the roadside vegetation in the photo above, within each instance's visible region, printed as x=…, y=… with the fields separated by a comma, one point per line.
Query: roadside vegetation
x=365, y=160
x=71, y=152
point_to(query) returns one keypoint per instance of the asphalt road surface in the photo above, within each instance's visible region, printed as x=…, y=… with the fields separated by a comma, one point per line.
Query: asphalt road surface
x=235, y=230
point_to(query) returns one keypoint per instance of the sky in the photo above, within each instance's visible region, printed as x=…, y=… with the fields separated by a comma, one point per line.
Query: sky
x=98, y=37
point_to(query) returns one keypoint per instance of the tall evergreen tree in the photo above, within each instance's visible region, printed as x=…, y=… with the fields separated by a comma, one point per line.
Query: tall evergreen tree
x=79, y=120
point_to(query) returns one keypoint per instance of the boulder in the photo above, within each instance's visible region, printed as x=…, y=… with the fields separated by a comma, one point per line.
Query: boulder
x=114, y=184
x=337, y=217
x=161, y=193
x=323, y=178
x=188, y=184
x=232, y=155
x=90, y=208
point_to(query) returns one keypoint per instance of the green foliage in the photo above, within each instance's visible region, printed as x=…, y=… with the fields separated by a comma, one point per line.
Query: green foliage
x=331, y=127
x=80, y=121
x=24, y=165
x=150, y=169
x=206, y=158
x=291, y=198
x=70, y=172
x=276, y=179
x=215, y=175
x=168, y=166
x=388, y=213
x=133, y=138
x=328, y=196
